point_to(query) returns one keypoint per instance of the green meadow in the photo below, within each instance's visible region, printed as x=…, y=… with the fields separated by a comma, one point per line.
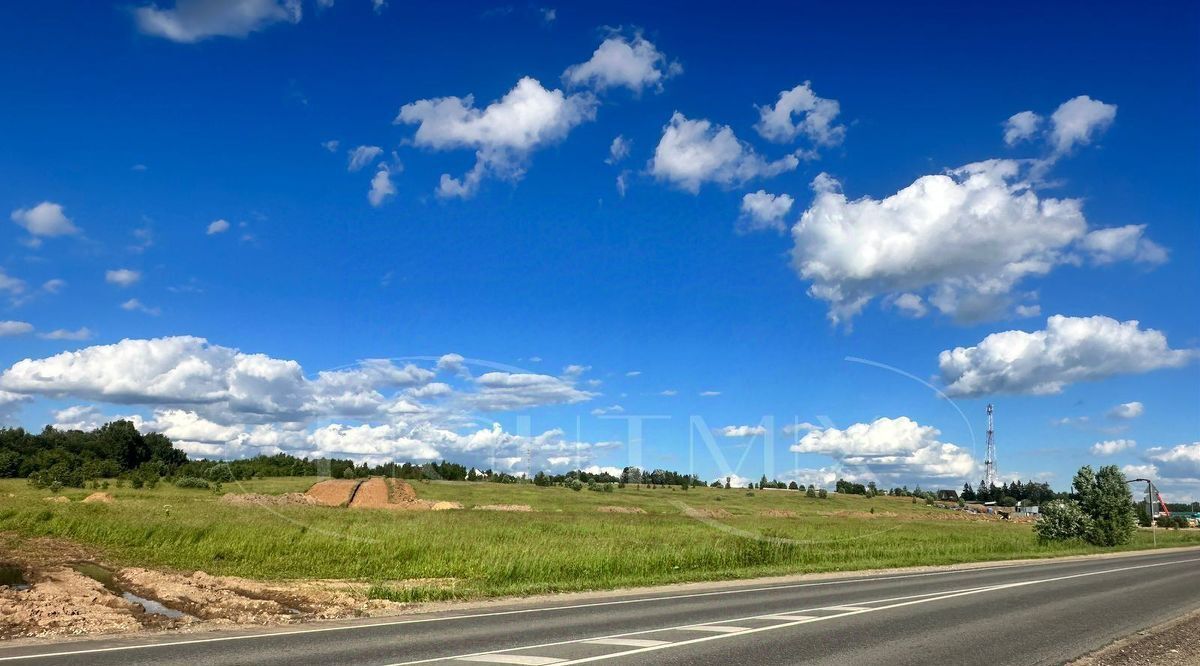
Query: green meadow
x=564, y=544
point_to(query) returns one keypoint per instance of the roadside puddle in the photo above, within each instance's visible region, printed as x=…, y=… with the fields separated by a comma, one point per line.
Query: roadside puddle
x=106, y=578
x=13, y=578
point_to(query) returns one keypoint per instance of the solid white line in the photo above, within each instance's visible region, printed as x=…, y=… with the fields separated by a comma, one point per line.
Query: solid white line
x=844, y=608
x=530, y=660
x=545, y=609
x=626, y=642
x=717, y=628
x=914, y=602
x=789, y=618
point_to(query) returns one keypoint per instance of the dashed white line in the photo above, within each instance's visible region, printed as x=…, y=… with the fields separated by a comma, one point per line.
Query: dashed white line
x=845, y=608
x=626, y=642
x=529, y=660
x=715, y=628
x=789, y=618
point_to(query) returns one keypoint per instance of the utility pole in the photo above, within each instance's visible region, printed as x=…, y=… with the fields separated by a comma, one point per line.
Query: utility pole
x=989, y=461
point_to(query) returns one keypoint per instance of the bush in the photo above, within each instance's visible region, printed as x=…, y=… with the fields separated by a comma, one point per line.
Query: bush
x=191, y=482
x=811, y=492
x=822, y=493
x=1181, y=522
x=1062, y=520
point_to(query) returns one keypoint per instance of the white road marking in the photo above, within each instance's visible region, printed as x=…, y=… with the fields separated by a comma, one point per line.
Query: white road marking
x=845, y=608
x=716, y=628
x=527, y=659
x=893, y=602
x=626, y=642
x=789, y=618
x=547, y=609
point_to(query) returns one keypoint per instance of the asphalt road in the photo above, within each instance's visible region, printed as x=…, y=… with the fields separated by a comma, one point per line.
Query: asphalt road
x=1043, y=613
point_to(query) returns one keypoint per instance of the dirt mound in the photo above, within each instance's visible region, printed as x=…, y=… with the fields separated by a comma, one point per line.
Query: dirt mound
x=57, y=499
x=63, y=602
x=504, y=507
x=444, y=506
x=778, y=513
x=334, y=492
x=255, y=499
x=706, y=513
x=372, y=494
x=101, y=497
x=620, y=509
x=401, y=491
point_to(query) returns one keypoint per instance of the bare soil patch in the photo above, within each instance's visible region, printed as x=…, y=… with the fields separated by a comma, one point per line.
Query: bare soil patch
x=778, y=513
x=707, y=513
x=57, y=499
x=99, y=497
x=504, y=507
x=333, y=492
x=620, y=509
x=255, y=499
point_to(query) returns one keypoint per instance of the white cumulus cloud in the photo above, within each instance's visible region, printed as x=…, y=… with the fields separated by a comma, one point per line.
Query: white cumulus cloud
x=622, y=62
x=381, y=187
x=1127, y=410
x=503, y=134
x=1078, y=120
x=217, y=227
x=12, y=328
x=45, y=220
x=693, y=152
x=762, y=210
x=962, y=241
x=1112, y=447
x=890, y=449
x=1068, y=350
x=1021, y=126
x=800, y=111
x=742, y=431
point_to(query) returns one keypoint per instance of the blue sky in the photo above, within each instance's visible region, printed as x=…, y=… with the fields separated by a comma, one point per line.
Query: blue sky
x=142, y=128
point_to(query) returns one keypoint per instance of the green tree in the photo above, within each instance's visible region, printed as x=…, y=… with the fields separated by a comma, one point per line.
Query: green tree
x=1105, y=498
x=1062, y=520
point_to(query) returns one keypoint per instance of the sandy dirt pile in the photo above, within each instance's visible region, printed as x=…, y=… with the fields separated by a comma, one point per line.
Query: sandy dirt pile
x=620, y=509
x=372, y=494
x=333, y=492
x=99, y=497
x=63, y=602
x=778, y=513
x=504, y=507
x=255, y=499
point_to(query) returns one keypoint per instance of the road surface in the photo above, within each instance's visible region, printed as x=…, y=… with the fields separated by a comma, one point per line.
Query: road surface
x=1040, y=613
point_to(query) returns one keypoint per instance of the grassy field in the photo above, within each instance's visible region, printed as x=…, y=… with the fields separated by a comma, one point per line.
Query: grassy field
x=564, y=544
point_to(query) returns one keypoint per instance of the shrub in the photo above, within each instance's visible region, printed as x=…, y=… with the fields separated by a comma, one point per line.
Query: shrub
x=811, y=492
x=1181, y=522
x=1062, y=520
x=1166, y=522
x=191, y=482
x=822, y=493
x=347, y=473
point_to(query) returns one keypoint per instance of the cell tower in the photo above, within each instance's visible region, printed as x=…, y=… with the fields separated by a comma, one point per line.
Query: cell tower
x=989, y=462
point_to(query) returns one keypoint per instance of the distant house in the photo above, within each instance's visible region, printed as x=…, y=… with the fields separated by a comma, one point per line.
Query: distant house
x=947, y=496
x=1028, y=510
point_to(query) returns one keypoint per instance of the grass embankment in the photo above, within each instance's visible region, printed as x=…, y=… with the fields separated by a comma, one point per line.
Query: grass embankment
x=564, y=544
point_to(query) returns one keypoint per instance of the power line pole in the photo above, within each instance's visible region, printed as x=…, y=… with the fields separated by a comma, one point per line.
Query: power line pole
x=989, y=461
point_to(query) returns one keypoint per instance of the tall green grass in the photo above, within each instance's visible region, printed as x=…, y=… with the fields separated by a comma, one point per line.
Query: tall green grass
x=564, y=545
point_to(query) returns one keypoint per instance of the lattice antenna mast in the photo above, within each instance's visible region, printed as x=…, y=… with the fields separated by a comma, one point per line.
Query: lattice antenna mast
x=989, y=462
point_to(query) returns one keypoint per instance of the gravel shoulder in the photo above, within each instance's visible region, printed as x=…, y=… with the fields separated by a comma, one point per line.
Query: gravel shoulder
x=1176, y=643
